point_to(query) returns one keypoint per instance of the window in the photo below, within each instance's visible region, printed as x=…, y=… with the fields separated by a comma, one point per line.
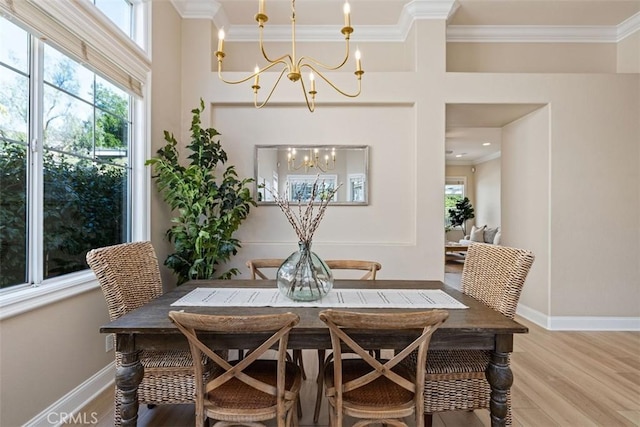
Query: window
x=453, y=192
x=119, y=12
x=65, y=161
x=299, y=187
x=355, y=190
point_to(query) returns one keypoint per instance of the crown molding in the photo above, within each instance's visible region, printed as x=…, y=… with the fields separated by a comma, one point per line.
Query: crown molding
x=315, y=33
x=629, y=26
x=531, y=34
x=412, y=11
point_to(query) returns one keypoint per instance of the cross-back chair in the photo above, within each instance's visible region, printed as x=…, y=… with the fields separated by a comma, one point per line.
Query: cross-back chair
x=250, y=390
x=129, y=277
x=371, y=389
x=257, y=268
x=455, y=379
x=370, y=269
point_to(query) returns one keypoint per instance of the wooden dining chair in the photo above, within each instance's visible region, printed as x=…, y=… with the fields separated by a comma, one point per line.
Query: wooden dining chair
x=258, y=268
x=250, y=390
x=373, y=389
x=370, y=269
x=456, y=379
x=129, y=277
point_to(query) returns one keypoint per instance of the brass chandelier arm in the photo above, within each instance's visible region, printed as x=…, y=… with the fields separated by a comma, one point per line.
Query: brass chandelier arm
x=255, y=97
x=280, y=60
x=264, y=52
x=357, y=73
x=311, y=60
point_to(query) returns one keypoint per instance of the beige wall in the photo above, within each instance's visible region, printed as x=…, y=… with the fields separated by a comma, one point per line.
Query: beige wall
x=488, y=190
x=629, y=54
x=47, y=352
x=531, y=57
x=525, y=200
x=391, y=212
x=166, y=113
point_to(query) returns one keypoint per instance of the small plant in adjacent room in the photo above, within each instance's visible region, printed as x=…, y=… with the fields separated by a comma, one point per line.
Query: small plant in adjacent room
x=209, y=209
x=461, y=213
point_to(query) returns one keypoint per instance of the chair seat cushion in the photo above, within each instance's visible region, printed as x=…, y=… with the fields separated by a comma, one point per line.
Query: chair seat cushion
x=235, y=394
x=381, y=391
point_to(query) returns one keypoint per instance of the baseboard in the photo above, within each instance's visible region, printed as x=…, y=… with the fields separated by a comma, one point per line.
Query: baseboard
x=69, y=406
x=579, y=323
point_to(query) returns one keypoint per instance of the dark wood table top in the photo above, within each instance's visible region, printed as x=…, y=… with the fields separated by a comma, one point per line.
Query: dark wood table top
x=476, y=320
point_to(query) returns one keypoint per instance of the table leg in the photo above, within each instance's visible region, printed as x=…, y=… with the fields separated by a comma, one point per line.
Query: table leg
x=128, y=376
x=500, y=378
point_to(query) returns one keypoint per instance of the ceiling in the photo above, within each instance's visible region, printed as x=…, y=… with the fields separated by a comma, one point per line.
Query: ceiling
x=468, y=125
x=474, y=131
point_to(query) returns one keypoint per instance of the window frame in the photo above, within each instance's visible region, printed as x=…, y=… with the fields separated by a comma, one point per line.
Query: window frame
x=30, y=296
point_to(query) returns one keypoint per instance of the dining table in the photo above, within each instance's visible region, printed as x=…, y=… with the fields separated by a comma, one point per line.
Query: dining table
x=475, y=327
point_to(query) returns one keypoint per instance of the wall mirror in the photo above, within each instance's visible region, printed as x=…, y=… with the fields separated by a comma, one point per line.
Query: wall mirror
x=291, y=169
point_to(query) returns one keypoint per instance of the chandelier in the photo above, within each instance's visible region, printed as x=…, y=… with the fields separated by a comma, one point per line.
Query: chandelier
x=312, y=160
x=293, y=65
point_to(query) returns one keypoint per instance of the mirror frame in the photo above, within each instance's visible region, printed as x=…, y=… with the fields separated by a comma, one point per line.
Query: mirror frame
x=365, y=149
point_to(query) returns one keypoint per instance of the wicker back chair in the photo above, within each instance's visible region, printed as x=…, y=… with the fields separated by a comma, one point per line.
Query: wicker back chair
x=129, y=277
x=249, y=390
x=369, y=388
x=455, y=379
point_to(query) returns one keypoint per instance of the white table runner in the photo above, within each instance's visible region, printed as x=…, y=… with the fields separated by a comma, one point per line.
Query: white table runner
x=352, y=298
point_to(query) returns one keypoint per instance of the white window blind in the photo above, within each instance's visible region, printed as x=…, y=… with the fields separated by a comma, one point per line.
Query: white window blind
x=85, y=34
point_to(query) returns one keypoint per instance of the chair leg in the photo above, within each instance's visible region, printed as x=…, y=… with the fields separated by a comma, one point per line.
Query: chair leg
x=319, y=384
x=428, y=419
x=297, y=359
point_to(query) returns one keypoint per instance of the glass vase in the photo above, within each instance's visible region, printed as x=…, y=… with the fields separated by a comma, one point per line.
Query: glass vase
x=304, y=276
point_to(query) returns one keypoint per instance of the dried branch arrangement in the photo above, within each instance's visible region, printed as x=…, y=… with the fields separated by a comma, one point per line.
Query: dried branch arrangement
x=306, y=219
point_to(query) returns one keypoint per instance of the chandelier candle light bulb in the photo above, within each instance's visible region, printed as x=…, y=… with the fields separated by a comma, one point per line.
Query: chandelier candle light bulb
x=292, y=64
x=256, y=81
x=347, y=14
x=221, y=40
x=313, y=84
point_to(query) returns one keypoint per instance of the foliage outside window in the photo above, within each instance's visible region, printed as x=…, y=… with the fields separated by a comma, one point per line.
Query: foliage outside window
x=453, y=193
x=64, y=171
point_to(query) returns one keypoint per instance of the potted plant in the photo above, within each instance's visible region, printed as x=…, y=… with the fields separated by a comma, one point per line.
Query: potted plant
x=209, y=209
x=461, y=213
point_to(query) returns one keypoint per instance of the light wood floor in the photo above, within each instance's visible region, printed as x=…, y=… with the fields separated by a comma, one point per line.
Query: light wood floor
x=560, y=379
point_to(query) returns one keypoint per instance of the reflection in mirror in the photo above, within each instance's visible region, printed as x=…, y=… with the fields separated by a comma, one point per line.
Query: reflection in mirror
x=291, y=170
